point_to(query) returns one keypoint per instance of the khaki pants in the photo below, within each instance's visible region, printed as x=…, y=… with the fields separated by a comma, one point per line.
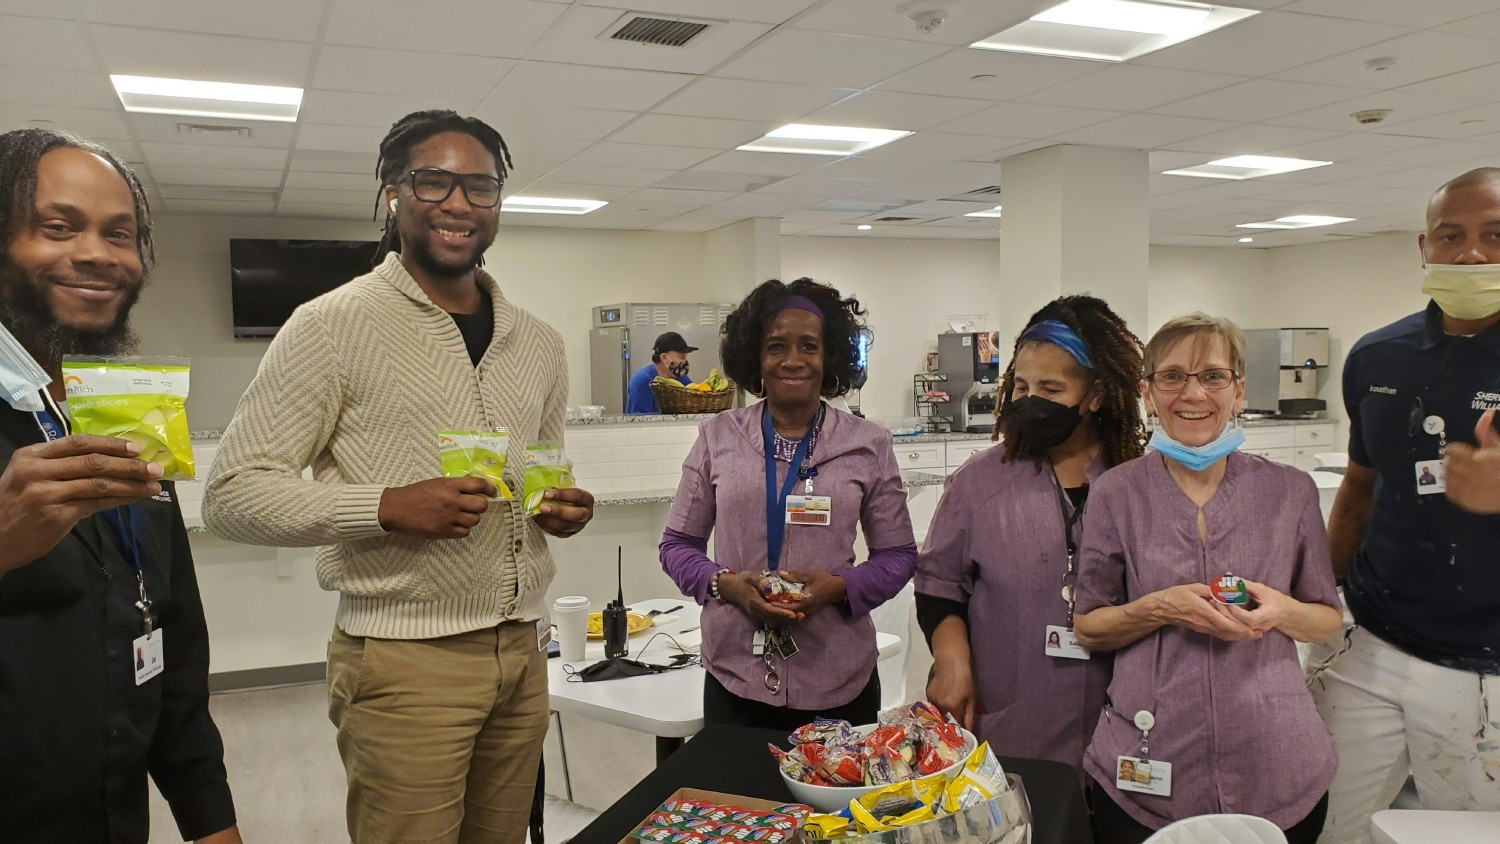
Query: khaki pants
x=440, y=738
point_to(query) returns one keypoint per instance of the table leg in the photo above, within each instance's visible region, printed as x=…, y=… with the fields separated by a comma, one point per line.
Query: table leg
x=563, y=746
x=666, y=747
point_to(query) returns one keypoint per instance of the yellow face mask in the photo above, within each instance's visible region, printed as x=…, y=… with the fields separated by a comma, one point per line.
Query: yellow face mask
x=1464, y=291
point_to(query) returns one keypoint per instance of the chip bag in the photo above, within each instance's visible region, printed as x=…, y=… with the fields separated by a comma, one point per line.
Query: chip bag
x=547, y=467
x=143, y=400
x=479, y=454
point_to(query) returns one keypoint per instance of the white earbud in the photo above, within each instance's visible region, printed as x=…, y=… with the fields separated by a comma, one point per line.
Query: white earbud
x=393, y=206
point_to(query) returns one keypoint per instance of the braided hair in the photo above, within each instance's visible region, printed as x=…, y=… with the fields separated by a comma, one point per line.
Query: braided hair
x=413, y=129
x=1117, y=357
x=745, y=328
x=21, y=152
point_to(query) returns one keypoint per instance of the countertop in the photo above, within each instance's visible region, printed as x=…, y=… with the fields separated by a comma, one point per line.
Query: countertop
x=641, y=418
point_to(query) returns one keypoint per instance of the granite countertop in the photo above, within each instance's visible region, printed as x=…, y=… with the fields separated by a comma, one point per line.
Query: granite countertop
x=910, y=480
x=940, y=438
x=642, y=418
x=1282, y=423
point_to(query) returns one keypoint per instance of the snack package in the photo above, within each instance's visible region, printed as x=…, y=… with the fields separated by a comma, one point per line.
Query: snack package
x=547, y=467
x=790, y=762
x=824, y=731
x=779, y=591
x=886, y=767
x=797, y=811
x=941, y=746
x=143, y=400
x=891, y=800
x=840, y=765
x=983, y=764
x=481, y=454
x=967, y=790
x=822, y=827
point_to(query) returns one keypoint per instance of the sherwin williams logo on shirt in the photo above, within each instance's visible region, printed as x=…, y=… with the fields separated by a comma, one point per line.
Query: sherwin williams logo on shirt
x=1484, y=400
x=1384, y=391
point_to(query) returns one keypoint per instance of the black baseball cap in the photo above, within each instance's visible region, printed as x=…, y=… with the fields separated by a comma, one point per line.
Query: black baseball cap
x=671, y=342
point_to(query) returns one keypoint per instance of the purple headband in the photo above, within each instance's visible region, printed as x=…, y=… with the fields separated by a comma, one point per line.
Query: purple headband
x=802, y=303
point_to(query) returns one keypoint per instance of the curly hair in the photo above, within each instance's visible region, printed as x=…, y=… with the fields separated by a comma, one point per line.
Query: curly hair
x=745, y=328
x=413, y=129
x=21, y=152
x=1117, y=357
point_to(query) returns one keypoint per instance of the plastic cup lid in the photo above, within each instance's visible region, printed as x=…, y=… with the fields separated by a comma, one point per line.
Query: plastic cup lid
x=571, y=602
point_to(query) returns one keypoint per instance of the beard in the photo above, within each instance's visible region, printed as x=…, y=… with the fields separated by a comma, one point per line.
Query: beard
x=25, y=311
x=418, y=251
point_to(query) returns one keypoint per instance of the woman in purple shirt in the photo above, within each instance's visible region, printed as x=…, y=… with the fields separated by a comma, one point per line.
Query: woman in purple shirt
x=995, y=577
x=1208, y=703
x=782, y=485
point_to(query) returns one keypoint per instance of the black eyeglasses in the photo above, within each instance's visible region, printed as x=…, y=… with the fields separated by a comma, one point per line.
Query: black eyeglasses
x=1174, y=381
x=433, y=184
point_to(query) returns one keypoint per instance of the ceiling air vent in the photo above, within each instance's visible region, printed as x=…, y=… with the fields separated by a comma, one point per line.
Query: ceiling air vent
x=662, y=32
x=992, y=190
x=209, y=130
x=894, y=219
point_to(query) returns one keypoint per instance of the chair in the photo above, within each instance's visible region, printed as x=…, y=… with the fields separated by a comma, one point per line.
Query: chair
x=1328, y=484
x=1219, y=829
x=895, y=617
x=1410, y=826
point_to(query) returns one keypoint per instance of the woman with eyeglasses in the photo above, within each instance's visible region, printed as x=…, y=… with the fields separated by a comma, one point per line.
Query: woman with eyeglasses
x=1200, y=568
x=996, y=576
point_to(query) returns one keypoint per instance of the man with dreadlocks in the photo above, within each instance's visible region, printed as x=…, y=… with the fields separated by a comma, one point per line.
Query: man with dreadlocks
x=436, y=677
x=995, y=579
x=80, y=725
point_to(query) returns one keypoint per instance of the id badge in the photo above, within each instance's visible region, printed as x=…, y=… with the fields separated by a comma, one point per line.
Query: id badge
x=1430, y=477
x=1063, y=644
x=543, y=633
x=809, y=510
x=146, y=653
x=1144, y=776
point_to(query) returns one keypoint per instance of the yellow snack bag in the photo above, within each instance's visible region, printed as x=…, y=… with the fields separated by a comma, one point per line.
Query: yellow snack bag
x=922, y=812
x=967, y=790
x=891, y=800
x=481, y=454
x=826, y=826
x=547, y=467
x=982, y=762
x=143, y=400
x=866, y=821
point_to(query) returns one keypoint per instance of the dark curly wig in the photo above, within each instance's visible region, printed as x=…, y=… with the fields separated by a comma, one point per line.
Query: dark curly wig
x=1117, y=357
x=745, y=328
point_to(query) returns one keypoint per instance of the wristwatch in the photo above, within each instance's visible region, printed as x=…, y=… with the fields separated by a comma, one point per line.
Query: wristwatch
x=713, y=585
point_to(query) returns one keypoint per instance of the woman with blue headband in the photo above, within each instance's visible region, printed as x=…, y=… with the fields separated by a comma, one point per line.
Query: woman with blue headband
x=995, y=578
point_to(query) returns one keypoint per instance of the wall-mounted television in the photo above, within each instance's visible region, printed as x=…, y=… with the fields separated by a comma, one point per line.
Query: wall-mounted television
x=270, y=278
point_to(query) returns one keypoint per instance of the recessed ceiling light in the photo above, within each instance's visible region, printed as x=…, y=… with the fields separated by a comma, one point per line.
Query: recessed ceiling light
x=1242, y=167
x=806, y=139
x=548, y=205
x=1297, y=221
x=194, y=98
x=1112, y=30
x=1247, y=240
x=864, y=228
x=993, y=212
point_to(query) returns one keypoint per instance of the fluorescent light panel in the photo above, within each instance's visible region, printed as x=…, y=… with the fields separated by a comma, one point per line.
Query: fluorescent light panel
x=196, y=98
x=806, y=139
x=1112, y=30
x=1297, y=221
x=1241, y=167
x=993, y=212
x=550, y=205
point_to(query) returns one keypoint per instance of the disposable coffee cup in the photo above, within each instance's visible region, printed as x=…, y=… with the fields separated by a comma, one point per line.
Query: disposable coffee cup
x=571, y=615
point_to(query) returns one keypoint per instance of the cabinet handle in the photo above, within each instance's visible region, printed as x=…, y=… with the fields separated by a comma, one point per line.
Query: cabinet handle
x=913, y=456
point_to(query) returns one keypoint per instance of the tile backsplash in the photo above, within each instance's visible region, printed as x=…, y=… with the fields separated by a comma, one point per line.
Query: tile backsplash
x=645, y=457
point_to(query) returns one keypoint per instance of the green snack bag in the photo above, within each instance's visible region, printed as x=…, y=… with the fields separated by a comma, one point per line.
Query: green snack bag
x=143, y=400
x=546, y=468
x=475, y=453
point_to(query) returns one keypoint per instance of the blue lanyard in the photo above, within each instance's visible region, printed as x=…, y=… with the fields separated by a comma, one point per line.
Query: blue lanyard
x=51, y=428
x=776, y=504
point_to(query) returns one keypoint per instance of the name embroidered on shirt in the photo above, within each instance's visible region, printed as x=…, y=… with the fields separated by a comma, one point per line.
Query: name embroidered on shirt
x=1385, y=391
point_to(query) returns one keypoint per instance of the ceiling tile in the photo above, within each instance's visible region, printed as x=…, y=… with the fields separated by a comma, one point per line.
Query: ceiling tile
x=215, y=176
x=339, y=138
x=375, y=71
x=166, y=128
x=812, y=184
x=1353, y=145
x=1479, y=83
x=252, y=208
x=1270, y=42
x=742, y=99
x=1404, y=107
x=763, y=163
x=683, y=224
x=200, y=155
x=942, y=146
x=67, y=88
x=1486, y=25
x=906, y=191
x=973, y=173
x=473, y=27
x=1422, y=15
x=215, y=58
x=840, y=61
x=1143, y=131
x=964, y=25
x=327, y=161
x=1027, y=120
x=336, y=197
x=325, y=211
x=1469, y=122
x=1250, y=139
x=763, y=11
x=579, y=39
x=672, y=130
x=760, y=203
x=563, y=190
x=550, y=83
x=609, y=154
x=531, y=152
x=585, y=124
x=365, y=182
x=291, y=20
x=866, y=167
x=89, y=122
x=890, y=110
x=45, y=43
x=1258, y=99
x=345, y=108
x=1429, y=178
x=31, y=9
x=530, y=221
x=986, y=74
x=598, y=174
x=1419, y=56
x=675, y=198
x=1130, y=87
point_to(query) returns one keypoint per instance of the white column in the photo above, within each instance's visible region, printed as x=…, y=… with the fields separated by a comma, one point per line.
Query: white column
x=739, y=256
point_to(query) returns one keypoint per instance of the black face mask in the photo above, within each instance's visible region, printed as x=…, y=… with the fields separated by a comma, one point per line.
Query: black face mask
x=1042, y=423
x=678, y=369
x=614, y=669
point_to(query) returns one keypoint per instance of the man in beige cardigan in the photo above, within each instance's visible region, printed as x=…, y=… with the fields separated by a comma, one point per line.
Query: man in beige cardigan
x=436, y=678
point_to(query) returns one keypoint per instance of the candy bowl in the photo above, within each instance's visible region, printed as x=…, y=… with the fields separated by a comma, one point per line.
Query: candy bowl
x=835, y=798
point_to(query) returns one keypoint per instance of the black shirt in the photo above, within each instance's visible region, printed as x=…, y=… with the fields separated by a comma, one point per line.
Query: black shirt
x=77, y=735
x=477, y=328
x=1425, y=578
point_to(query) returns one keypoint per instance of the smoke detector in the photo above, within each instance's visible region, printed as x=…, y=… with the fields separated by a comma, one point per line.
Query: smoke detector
x=1382, y=63
x=1371, y=116
x=927, y=15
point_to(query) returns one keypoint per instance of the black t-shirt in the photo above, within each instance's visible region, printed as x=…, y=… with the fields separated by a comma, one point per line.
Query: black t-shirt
x=477, y=328
x=1427, y=577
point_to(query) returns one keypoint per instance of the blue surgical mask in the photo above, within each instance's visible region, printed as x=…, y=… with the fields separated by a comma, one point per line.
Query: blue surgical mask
x=1199, y=457
x=21, y=379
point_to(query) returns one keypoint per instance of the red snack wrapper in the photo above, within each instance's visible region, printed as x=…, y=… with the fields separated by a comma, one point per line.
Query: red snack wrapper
x=779, y=591
x=824, y=731
x=885, y=739
x=843, y=767
x=948, y=734
x=926, y=714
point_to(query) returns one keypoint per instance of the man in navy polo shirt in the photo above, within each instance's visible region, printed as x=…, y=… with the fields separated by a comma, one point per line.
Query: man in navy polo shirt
x=668, y=359
x=1411, y=687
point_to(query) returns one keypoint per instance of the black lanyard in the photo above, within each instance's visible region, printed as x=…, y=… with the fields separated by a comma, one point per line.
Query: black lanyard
x=1070, y=521
x=776, y=504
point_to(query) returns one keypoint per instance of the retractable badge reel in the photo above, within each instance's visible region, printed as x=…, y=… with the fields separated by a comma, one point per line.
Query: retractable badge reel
x=1429, y=473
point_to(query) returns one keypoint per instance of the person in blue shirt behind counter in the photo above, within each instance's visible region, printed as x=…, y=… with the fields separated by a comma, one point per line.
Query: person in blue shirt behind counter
x=669, y=359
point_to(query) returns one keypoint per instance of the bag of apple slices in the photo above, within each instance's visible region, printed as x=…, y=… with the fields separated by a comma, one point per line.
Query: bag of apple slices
x=140, y=399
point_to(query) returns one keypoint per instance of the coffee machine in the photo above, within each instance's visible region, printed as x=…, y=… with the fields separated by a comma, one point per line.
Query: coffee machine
x=1284, y=370
x=971, y=362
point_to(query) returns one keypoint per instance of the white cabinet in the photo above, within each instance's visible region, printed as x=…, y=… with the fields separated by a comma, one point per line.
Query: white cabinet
x=1295, y=444
x=918, y=456
x=960, y=451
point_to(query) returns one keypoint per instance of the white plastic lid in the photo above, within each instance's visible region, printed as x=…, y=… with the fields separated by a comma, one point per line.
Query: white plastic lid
x=571, y=602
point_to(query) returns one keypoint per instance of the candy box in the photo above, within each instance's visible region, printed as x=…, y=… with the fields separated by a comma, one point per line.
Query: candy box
x=753, y=812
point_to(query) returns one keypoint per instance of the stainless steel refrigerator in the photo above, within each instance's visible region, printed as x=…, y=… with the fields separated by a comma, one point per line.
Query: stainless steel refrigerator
x=621, y=339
